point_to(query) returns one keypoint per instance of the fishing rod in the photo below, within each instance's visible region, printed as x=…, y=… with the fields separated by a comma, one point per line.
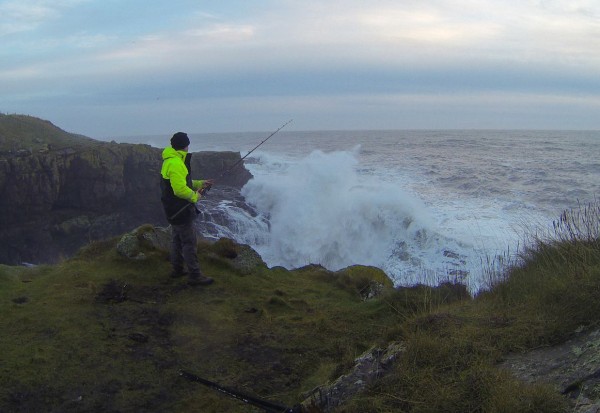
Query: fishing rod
x=253, y=149
x=267, y=406
x=204, y=190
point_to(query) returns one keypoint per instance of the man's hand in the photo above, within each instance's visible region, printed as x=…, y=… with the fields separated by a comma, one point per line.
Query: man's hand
x=206, y=185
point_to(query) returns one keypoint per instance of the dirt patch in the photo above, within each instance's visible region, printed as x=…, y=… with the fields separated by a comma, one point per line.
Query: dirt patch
x=20, y=300
x=112, y=292
x=270, y=369
x=136, y=322
x=116, y=291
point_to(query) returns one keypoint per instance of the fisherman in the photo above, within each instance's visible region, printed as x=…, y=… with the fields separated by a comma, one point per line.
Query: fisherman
x=179, y=196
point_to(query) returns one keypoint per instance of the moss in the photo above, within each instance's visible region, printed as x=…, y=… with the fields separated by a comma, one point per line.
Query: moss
x=364, y=274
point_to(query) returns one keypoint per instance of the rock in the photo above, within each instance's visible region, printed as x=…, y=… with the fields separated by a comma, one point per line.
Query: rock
x=370, y=366
x=129, y=247
x=371, y=281
x=240, y=256
x=158, y=238
x=72, y=226
x=211, y=164
x=573, y=368
x=247, y=259
x=146, y=238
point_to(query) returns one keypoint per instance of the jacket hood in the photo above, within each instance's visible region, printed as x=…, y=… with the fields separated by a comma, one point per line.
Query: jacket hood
x=169, y=152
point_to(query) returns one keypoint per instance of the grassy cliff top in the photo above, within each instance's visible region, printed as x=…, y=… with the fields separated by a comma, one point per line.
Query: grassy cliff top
x=104, y=333
x=100, y=332
x=18, y=132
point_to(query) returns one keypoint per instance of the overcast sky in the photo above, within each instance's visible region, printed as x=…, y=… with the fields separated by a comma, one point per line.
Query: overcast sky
x=107, y=68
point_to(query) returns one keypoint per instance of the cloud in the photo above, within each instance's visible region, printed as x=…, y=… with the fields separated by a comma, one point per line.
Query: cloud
x=439, y=30
x=335, y=34
x=330, y=53
x=26, y=15
x=18, y=16
x=199, y=46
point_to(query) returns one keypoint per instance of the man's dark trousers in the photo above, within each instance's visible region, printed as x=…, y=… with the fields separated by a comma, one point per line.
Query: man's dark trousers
x=183, y=249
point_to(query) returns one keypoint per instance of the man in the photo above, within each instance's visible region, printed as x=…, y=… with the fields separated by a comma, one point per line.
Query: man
x=179, y=196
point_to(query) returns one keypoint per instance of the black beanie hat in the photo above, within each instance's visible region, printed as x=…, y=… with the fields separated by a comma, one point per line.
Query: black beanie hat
x=180, y=140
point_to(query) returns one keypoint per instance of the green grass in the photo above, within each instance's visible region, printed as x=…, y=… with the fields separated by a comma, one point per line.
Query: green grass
x=30, y=133
x=453, y=348
x=70, y=330
x=102, y=333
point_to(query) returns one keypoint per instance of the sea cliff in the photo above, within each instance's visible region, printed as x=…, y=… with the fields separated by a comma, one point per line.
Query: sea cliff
x=59, y=191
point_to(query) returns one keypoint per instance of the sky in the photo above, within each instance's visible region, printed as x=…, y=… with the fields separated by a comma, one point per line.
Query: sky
x=108, y=68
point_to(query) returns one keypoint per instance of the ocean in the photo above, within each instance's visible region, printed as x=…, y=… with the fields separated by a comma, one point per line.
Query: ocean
x=424, y=206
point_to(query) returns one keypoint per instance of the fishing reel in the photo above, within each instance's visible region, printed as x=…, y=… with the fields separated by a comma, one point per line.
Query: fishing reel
x=205, y=188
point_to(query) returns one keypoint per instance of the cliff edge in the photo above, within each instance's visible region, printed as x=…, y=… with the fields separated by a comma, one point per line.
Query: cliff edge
x=59, y=191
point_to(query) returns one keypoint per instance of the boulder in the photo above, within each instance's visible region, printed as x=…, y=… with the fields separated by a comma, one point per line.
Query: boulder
x=137, y=243
x=241, y=257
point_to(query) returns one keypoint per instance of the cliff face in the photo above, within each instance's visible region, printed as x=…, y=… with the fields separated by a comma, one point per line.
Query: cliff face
x=55, y=201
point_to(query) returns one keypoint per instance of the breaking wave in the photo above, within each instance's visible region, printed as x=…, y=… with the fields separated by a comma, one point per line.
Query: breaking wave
x=320, y=210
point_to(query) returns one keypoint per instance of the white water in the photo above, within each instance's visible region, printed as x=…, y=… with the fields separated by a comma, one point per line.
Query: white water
x=322, y=210
x=424, y=206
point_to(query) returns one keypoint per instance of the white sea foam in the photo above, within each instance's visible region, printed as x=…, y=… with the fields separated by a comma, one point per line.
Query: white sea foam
x=322, y=211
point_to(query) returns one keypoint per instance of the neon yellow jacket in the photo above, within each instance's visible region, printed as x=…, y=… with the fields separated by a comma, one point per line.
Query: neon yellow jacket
x=175, y=170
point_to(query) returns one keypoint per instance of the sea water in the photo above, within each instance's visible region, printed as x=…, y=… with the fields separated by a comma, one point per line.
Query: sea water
x=424, y=206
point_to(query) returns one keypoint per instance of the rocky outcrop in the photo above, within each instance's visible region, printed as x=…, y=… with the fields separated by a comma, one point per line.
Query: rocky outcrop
x=134, y=244
x=53, y=202
x=370, y=366
x=573, y=368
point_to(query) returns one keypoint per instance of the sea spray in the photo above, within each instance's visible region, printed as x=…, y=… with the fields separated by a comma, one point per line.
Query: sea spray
x=322, y=211
x=226, y=214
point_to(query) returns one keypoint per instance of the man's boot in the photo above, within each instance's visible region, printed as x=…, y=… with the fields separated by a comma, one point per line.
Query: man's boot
x=199, y=279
